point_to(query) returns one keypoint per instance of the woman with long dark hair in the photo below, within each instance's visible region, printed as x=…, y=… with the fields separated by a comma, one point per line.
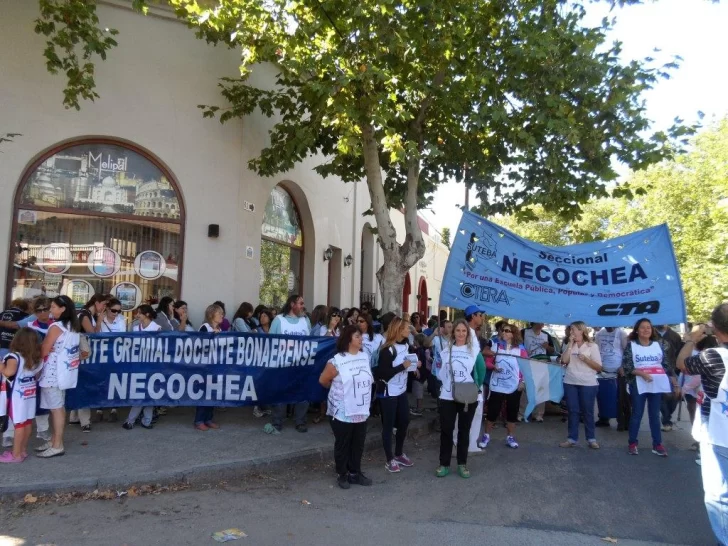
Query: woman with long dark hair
x=61, y=340
x=648, y=366
x=243, y=319
x=90, y=319
x=349, y=379
x=318, y=320
x=265, y=319
x=165, y=314
x=181, y=317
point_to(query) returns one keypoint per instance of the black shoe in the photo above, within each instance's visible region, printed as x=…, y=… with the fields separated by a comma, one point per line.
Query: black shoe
x=149, y=426
x=343, y=481
x=301, y=428
x=86, y=428
x=601, y=423
x=113, y=416
x=360, y=479
x=127, y=425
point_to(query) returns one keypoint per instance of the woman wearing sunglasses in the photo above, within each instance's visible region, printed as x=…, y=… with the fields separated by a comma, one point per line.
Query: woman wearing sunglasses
x=506, y=383
x=111, y=321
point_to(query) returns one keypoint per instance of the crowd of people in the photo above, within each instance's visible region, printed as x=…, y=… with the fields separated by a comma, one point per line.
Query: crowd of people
x=379, y=359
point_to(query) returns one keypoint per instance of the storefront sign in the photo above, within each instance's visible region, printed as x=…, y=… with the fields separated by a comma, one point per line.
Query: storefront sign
x=79, y=291
x=54, y=259
x=104, y=261
x=128, y=294
x=197, y=369
x=607, y=283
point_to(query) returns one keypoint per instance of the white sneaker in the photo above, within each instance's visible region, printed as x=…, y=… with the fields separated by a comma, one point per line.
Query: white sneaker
x=44, y=446
x=484, y=441
x=52, y=452
x=7, y=441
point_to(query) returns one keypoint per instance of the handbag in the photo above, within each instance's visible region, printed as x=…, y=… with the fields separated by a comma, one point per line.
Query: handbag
x=465, y=393
x=84, y=347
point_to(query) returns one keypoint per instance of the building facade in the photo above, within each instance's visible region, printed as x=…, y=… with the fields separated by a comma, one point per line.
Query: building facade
x=138, y=195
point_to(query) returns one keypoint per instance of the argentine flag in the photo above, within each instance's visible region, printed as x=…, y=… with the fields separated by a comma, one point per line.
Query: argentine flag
x=544, y=382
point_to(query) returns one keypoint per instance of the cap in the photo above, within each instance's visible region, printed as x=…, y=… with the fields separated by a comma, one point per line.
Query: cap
x=472, y=309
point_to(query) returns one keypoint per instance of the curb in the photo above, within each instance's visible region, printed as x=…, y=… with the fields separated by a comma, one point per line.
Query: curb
x=204, y=474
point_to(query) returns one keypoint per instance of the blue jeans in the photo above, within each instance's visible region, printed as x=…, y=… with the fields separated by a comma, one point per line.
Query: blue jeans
x=203, y=414
x=714, y=467
x=667, y=408
x=654, y=402
x=580, y=401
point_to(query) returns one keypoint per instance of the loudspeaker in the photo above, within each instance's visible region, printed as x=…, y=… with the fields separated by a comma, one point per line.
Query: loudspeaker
x=213, y=230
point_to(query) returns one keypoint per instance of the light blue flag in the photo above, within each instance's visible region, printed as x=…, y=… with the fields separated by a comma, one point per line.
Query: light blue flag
x=604, y=283
x=544, y=382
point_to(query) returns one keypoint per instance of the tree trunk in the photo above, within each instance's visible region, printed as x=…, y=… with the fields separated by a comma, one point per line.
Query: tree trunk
x=398, y=259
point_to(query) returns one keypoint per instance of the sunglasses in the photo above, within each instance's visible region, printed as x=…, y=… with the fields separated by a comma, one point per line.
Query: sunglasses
x=336, y=315
x=507, y=331
x=360, y=320
x=115, y=311
x=42, y=309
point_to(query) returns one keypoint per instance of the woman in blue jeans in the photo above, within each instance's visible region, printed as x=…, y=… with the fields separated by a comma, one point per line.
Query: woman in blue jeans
x=583, y=362
x=647, y=366
x=214, y=315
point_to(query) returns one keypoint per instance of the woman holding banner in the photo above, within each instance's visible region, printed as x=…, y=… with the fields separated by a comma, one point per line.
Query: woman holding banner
x=145, y=322
x=506, y=382
x=214, y=315
x=647, y=365
x=583, y=362
x=349, y=379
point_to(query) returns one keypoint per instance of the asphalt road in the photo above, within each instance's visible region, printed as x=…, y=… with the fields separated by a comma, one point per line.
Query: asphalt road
x=538, y=494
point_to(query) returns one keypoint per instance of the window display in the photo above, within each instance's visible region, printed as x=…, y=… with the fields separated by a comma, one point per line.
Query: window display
x=97, y=217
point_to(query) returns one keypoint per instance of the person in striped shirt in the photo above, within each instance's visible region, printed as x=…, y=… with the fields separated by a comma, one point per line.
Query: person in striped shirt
x=710, y=364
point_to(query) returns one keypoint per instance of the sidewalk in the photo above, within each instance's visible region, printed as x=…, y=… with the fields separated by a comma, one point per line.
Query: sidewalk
x=173, y=452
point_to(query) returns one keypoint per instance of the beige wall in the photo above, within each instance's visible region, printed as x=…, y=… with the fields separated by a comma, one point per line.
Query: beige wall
x=150, y=87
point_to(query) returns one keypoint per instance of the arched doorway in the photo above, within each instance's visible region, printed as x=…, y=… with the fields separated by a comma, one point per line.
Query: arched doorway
x=422, y=299
x=97, y=216
x=406, y=292
x=281, y=249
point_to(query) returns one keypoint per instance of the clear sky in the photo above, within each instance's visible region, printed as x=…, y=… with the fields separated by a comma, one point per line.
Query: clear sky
x=697, y=30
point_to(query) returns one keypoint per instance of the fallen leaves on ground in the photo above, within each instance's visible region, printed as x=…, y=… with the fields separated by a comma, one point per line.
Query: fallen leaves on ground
x=304, y=501
x=101, y=494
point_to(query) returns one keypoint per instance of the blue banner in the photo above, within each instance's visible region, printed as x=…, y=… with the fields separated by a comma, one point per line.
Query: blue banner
x=200, y=369
x=606, y=283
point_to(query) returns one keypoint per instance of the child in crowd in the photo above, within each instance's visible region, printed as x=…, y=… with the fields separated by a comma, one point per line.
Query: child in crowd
x=20, y=369
x=423, y=349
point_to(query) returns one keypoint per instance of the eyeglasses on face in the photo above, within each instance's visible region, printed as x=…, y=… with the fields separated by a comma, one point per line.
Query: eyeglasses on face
x=115, y=311
x=507, y=331
x=42, y=309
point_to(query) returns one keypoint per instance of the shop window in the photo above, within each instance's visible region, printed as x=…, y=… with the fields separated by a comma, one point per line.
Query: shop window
x=82, y=227
x=281, y=249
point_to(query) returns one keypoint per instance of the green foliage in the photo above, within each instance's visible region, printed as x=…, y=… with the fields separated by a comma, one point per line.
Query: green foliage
x=74, y=39
x=536, y=104
x=275, y=265
x=690, y=194
x=446, y=236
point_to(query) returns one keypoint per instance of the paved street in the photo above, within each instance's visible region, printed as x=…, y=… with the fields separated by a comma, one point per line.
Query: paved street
x=538, y=494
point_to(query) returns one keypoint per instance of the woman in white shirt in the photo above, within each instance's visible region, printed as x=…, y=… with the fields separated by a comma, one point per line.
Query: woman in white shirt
x=583, y=362
x=144, y=323
x=349, y=379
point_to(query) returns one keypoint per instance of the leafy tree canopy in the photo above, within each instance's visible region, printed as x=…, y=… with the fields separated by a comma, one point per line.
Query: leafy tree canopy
x=690, y=194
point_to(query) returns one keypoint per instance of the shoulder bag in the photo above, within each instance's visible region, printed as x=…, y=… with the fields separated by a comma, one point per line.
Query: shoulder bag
x=465, y=393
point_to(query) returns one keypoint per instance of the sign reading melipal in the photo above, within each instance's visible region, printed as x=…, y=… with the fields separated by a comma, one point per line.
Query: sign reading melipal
x=199, y=369
x=606, y=283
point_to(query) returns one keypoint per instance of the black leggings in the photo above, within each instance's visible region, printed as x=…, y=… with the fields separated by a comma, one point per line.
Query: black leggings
x=495, y=403
x=395, y=413
x=449, y=410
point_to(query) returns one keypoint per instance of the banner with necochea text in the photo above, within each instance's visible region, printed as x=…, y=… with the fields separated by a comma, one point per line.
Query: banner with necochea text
x=604, y=283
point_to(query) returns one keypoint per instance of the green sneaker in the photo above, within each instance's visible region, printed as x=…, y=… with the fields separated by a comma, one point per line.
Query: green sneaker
x=463, y=471
x=442, y=471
